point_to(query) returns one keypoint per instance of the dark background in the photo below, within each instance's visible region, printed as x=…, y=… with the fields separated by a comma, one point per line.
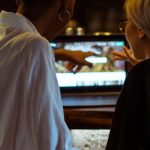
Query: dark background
x=99, y=15
x=92, y=15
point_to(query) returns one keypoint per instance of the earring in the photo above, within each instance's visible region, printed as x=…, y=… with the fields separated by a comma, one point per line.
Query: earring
x=64, y=15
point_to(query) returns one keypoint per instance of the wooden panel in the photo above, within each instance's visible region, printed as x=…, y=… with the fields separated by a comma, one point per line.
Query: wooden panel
x=89, y=118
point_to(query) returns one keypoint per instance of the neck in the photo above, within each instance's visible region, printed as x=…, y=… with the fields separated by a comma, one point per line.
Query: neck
x=147, y=55
x=146, y=48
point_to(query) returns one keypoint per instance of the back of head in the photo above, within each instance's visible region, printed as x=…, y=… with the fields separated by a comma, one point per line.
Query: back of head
x=34, y=8
x=139, y=12
x=48, y=16
x=29, y=3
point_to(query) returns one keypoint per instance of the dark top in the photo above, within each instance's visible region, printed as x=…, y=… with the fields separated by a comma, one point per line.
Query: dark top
x=131, y=123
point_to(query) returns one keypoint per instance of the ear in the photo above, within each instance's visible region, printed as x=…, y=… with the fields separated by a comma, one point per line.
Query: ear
x=17, y=2
x=68, y=5
x=64, y=13
x=141, y=33
x=64, y=4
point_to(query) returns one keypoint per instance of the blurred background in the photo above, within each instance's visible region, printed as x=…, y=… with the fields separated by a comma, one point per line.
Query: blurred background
x=99, y=15
x=92, y=15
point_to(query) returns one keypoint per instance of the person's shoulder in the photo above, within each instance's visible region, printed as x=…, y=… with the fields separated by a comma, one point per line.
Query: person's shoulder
x=145, y=62
x=36, y=40
x=142, y=66
x=141, y=70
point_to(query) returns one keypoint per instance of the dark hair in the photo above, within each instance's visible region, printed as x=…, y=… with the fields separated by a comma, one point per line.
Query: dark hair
x=35, y=3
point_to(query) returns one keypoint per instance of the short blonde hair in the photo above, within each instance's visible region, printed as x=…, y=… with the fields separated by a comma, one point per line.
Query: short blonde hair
x=139, y=12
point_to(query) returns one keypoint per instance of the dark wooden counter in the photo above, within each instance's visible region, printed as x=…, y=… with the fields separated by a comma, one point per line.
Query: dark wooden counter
x=89, y=117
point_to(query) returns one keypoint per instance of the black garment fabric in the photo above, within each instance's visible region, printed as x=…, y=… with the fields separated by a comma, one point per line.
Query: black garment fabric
x=131, y=123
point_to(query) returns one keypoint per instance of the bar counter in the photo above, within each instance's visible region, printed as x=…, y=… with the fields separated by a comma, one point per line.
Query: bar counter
x=99, y=117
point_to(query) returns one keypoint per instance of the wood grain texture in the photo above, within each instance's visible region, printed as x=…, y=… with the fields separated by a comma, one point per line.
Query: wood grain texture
x=89, y=118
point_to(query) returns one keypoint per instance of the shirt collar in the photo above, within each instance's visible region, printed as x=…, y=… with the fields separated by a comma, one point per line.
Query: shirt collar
x=16, y=20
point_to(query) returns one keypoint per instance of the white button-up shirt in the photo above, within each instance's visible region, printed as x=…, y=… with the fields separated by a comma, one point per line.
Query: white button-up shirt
x=31, y=113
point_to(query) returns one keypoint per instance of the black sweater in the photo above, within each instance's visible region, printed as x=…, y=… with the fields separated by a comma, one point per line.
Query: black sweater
x=131, y=123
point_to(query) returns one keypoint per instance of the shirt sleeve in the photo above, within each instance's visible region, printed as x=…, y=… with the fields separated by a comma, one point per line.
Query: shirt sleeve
x=131, y=124
x=45, y=110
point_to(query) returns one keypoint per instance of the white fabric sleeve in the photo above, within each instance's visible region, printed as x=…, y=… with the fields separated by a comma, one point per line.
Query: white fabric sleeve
x=49, y=130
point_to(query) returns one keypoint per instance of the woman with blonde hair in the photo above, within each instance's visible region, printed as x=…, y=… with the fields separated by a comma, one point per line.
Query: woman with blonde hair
x=131, y=123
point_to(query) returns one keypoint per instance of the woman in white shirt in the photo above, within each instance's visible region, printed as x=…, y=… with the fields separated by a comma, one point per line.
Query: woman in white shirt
x=31, y=112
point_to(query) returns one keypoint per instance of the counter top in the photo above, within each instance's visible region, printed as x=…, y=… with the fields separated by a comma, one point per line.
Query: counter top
x=89, y=117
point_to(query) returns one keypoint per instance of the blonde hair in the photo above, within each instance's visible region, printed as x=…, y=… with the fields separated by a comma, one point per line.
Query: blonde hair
x=139, y=12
